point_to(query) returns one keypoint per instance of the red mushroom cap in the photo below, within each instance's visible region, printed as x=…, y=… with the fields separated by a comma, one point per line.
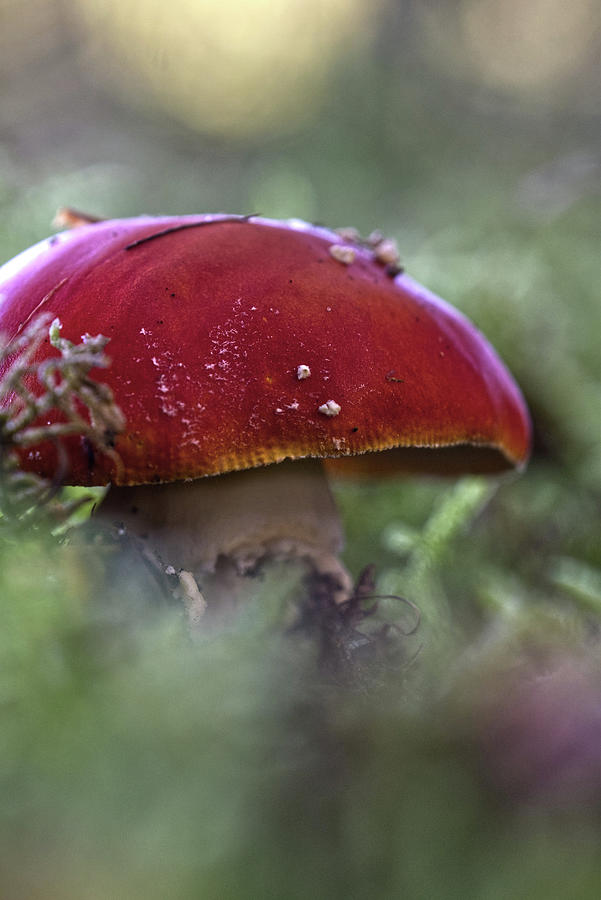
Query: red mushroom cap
x=209, y=320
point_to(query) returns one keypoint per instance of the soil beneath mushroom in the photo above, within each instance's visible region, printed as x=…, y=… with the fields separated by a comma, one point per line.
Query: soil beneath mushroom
x=347, y=639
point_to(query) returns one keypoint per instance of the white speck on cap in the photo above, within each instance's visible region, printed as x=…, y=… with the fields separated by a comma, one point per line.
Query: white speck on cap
x=331, y=408
x=349, y=234
x=303, y=372
x=387, y=252
x=345, y=255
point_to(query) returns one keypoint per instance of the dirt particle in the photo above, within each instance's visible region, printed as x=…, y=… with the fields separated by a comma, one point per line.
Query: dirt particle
x=349, y=234
x=344, y=255
x=387, y=252
x=330, y=408
x=376, y=237
x=390, y=376
x=394, y=269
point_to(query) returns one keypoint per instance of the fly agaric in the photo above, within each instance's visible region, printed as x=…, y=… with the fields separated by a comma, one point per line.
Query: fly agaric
x=246, y=353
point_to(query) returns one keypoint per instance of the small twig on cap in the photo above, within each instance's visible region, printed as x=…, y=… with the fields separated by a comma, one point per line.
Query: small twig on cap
x=67, y=217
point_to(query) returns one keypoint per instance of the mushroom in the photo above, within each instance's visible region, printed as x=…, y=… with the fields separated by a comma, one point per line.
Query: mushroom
x=246, y=353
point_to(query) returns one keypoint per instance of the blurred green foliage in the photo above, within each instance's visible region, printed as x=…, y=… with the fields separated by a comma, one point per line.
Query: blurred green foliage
x=135, y=762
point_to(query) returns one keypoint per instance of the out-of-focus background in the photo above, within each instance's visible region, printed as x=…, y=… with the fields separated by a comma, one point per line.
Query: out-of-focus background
x=469, y=131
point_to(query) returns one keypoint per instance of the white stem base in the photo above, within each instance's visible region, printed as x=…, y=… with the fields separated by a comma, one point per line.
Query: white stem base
x=223, y=528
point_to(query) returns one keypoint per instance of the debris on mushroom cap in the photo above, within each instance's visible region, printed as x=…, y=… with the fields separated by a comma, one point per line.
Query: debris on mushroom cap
x=201, y=349
x=387, y=251
x=394, y=269
x=345, y=255
x=349, y=234
x=66, y=217
x=374, y=238
x=331, y=408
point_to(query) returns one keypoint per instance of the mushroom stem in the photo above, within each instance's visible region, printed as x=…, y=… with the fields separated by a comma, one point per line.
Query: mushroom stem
x=224, y=528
